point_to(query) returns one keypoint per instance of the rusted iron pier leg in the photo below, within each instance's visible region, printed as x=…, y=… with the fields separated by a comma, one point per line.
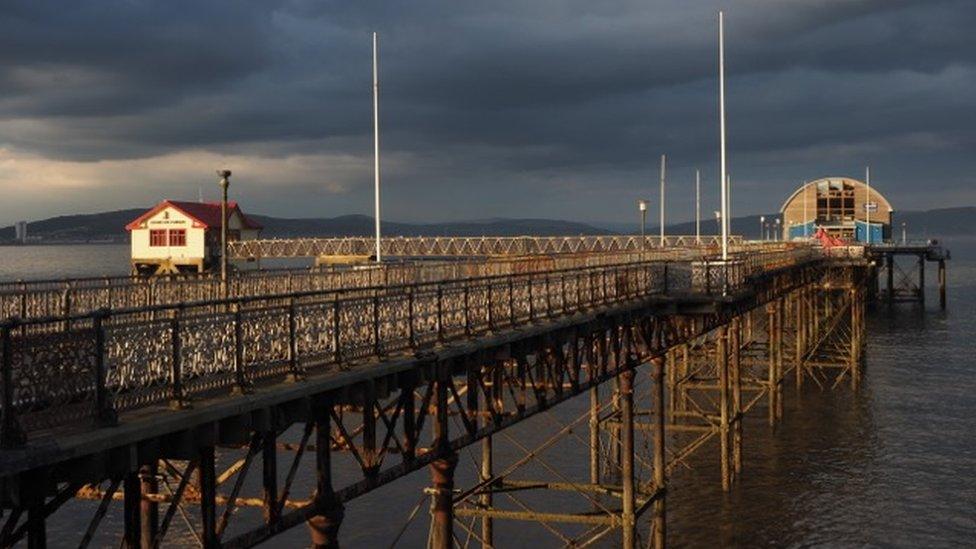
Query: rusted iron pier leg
x=149, y=521
x=36, y=528
x=442, y=471
x=659, y=518
x=208, y=498
x=595, y=434
x=735, y=344
x=942, y=284
x=324, y=526
x=628, y=524
x=780, y=317
x=771, y=366
x=722, y=356
x=799, y=338
x=615, y=442
x=856, y=325
x=131, y=511
x=921, y=278
x=890, y=290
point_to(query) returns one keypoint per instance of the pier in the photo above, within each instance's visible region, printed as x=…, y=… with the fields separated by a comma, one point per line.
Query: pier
x=194, y=406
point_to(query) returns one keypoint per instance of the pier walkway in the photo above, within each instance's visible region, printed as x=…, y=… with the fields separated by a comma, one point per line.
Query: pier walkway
x=166, y=407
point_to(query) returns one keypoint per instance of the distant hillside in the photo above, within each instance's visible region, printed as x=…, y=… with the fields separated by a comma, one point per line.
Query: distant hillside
x=945, y=222
x=111, y=226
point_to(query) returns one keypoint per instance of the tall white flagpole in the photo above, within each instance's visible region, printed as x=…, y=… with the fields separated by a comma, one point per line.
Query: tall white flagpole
x=663, y=168
x=697, y=207
x=376, y=147
x=721, y=115
x=867, y=201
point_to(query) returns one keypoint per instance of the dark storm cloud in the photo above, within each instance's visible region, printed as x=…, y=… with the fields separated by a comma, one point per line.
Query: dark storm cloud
x=553, y=103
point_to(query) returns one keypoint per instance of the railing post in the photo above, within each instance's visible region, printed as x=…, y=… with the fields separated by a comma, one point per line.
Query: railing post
x=548, y=298
x=178, y=400
x=491, y=318
x=295, y=373
x=511, y=299
x=336, y=340
x=411, y=337
x=11, y=434
x=467, y=314
x=104, y=412
x=377, y=349
x=440, y=313
x=531, y=305
x=239, y=377
x=666, y=286
x=708, y=277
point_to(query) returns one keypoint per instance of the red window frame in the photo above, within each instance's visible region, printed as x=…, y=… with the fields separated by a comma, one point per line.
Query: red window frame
x=157, y=237
x=177, y=237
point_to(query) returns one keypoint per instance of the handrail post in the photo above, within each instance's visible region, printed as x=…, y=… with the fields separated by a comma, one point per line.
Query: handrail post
x=240, y=379
x=411, y=337
x=336, y=324
x=708, y=277
x=11, y=435
x=178, y=400
x=467, y=309
x=105, y=414
x=511, y=300
x=377, y=349
x=666, y=286
x=491, y=318
x=440, y=313
x=295, y=374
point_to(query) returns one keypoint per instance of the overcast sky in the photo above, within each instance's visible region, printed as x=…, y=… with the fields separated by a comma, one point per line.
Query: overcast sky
x=488, y=109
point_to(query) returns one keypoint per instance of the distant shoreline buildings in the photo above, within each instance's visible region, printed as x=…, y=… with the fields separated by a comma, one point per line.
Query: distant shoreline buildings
x=20, y=232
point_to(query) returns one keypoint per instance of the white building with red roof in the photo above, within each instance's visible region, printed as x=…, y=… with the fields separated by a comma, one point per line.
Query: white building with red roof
x=176, y=237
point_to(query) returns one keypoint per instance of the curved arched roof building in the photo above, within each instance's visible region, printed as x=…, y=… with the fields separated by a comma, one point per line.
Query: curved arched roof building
x=842, y=206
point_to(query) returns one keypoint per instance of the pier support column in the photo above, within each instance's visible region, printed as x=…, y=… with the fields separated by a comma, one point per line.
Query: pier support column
x=324, y=526
x=921, y=278
x=208, y=499
x=722, y=358
x=942, y=284
x=771, y=363
x=595, y=434
x=735, y=344
x=442, y=469
x=890, y=290
x=799, y=335
x=628, y=525
x=659, y=518
x=441, y=503
x=780, y=325
x=149, y=521
x=131, y=511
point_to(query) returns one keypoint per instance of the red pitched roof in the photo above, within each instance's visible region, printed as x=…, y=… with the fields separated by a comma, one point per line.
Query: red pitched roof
x=205, y=214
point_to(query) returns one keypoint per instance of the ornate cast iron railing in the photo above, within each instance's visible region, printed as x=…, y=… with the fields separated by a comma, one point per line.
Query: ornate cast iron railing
x=71, y=370
x=42, y=298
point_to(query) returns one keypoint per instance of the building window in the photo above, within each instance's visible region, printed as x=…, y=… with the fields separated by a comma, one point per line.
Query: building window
x=177, y=237
x=157, y=237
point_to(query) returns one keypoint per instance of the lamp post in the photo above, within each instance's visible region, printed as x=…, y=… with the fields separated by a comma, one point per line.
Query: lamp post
x=663, y=175
x=762, y=224
x=718, y=221
x=904, y=233
x=224, y=183
x=642, y=206
x=697, y=207
x=778, y=235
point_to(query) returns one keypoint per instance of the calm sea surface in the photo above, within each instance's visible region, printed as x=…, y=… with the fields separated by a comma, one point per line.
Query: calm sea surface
x=893, y=465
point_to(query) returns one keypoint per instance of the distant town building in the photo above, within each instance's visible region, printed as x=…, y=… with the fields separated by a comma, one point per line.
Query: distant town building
x=175, y=237
x=20, y=231
x=841, y=206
